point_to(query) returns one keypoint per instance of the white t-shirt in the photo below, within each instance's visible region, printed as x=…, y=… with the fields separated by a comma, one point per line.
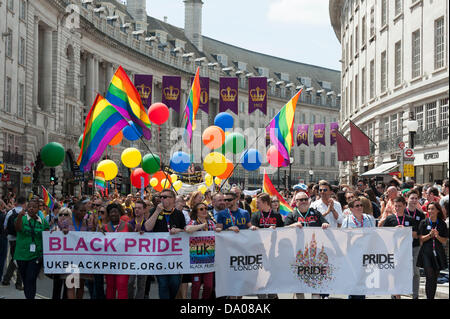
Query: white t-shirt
x=322, y=207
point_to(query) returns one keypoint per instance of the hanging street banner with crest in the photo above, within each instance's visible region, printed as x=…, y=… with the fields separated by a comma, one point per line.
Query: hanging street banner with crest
x=143, y=84
x=171, y=92
x=229, y=88
x=257, y=95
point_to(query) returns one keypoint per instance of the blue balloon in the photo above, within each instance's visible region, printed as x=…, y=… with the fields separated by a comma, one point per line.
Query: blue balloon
x=225, y=121
x=251, y=160
x=132, y=132
x=180, y=162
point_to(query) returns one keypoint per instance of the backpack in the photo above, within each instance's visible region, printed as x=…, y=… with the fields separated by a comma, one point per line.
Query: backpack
x=11, y=225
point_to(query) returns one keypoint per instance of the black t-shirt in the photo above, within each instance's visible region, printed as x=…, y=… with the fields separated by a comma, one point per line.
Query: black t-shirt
x=164, y=221
x=312, y=218
x=266, y=220
x=405, y=220
x=417, y=217
x=425, y=228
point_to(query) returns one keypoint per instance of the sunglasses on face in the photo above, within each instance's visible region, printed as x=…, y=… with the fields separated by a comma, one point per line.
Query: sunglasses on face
x=229, y=199
x=202, y=209
x=323, y=190
x=164, y=197
x=61, y=215
x=358, y=205
x=302, y=199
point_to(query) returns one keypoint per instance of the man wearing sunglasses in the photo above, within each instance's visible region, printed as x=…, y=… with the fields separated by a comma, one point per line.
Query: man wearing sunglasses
x=303, y=215
x=233, y=218
x=329, y=208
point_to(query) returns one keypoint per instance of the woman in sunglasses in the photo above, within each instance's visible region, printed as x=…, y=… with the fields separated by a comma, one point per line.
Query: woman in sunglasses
x=357, y=218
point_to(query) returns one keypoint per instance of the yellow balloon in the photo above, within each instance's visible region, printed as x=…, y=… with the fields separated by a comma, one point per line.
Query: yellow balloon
x=208, y=180
x=109, y=168
x=177, y=185
x=203, y=189
x=131, y=157
x=218, y=181
x=165, y=183
x=215, y=164
x=174, y=178
x=154, y=182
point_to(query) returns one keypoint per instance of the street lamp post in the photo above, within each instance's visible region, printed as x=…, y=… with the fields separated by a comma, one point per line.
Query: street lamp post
x=311, y=173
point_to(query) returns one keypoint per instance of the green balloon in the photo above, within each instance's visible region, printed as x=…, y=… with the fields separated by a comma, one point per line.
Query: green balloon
x=80, y=140
x=235, y=143
x=53, y=154
x=151, y=164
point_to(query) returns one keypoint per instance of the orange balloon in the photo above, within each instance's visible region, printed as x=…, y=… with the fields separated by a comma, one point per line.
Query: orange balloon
x=160, y=176
x=213, y=137
x=116, y=139
x=228, y=172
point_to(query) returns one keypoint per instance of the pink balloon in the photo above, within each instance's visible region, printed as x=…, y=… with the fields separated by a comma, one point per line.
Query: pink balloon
x=158, y=113
x=136, y=178
x=274, y=157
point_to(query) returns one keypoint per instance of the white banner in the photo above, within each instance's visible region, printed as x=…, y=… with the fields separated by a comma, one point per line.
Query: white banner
x=128, y=253
x=311, y=260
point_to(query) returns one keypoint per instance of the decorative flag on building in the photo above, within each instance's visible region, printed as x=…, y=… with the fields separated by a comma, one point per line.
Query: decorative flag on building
x=48, y=199
x=191, y=109
x=143, y=83
x=268, y=188
x=344, y=148
x=360, y=141
x=99, y=180
x=103, y=123
x=171, y=89
x=334, y=127
x=282, y=129
x=319, y=134
x=302, y=134
x=204, y=94
x=228, y=91
x=124, y=96
x=257, y=94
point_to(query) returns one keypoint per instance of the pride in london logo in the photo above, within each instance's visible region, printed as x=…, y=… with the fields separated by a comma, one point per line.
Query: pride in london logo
x=312, y=267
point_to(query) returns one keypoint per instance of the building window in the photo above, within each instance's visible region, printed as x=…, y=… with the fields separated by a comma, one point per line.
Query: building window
x=8, y=95
x=9, y=40
x=22, y=9
x=322, y=159
x=383, y=13
x=356, y=91
x=372, y=22
x=394, y=125
x=398, y=7
x=351, y=47
x=333, y=159
x=363, y=85
x=398, y=63
x=313, y=118
x=351, y=97
x=10, y=5
x=443, y=115
x=302, y=157
x=418, y=115
x=415, y=54
x=372, y=79
x=22, y=51
x=363, y=30
x=20, y=100
x=312, y=158
x=431, y=115
x=439, y=43
x=383, y=72
x=356, y=40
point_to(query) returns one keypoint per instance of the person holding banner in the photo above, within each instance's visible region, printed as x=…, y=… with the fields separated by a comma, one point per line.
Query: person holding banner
x=116, y=285
x=433, y=234
x=201, y=222
x=233, y=218
x=29, y=248
x=166, y=218
x=400, y=219
x=218, y=205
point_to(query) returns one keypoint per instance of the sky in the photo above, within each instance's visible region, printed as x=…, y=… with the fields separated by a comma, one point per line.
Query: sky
x=297, y=30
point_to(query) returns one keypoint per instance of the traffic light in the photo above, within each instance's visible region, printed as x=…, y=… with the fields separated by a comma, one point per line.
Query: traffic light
x=52, y=176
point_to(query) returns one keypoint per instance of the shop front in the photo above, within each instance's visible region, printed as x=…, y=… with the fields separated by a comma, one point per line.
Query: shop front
x=431, y=166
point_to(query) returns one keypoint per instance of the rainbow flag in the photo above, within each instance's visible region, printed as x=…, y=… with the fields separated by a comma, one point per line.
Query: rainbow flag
x=191, y=109
x=124, y=96
x=268, y=188
x=48, y=199
x=102, y=123
x=282, y=129
x=99, y=180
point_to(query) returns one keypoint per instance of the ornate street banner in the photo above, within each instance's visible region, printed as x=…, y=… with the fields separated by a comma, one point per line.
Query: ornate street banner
x=143, y=83
x=334, y=127
x=319, y=134
x=228, y=94
x=302, y=134
x=257, y=94
x=312, y=260
x=171, y=92
x=204, y=94
x=128, y=253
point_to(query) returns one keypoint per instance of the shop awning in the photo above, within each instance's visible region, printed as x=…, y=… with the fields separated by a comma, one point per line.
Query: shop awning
x=383, y=169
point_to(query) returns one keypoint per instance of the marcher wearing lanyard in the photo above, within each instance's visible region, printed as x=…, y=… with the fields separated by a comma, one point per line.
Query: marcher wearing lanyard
x=29, y=247
x=239, y=218
x=264, y=206
x=303, y=215
x=432, y=256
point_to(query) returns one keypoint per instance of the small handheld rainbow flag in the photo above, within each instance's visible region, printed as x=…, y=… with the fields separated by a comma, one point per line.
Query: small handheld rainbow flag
x=99, y=179
x=282, y=129
x=191, y=109
x=48, y=199
x=268, y=188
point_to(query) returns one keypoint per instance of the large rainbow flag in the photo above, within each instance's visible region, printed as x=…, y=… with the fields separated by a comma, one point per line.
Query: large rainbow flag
x=99, y=180
x=48, y=199
x=282, y=129
x=268, y=188
x=124, y=96
x=191, y=109
x=102, y=124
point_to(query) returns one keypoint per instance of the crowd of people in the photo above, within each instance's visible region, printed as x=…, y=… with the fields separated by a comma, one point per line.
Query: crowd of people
x=367, y=204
